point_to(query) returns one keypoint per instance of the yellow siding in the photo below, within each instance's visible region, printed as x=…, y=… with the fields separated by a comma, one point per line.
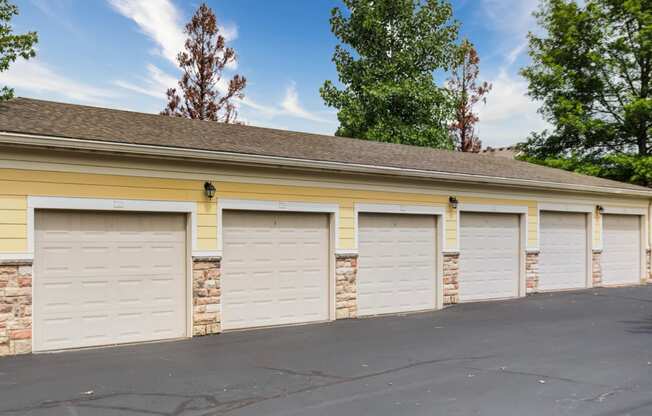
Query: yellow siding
x=597, y=230
x=533, y=226
x=13, y=223
x=345, y=198
x=16, y=185
x=450, y=239
x=13, y=245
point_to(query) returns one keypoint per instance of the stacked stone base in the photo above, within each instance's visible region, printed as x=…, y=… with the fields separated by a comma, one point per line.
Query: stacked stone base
x=451, y=269
x=531, y=272
x=596, y=268
x=346, y=293
x=16, y=293
x=15, y=307
x=206, y=294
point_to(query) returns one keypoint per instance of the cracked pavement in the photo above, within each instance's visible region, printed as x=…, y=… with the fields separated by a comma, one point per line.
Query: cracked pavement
x=585, y=352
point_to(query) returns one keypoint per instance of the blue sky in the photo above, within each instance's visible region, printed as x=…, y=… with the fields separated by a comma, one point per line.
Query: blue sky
x=120, y=53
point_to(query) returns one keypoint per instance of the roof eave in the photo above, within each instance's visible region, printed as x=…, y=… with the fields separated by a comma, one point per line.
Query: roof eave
x=12, y=138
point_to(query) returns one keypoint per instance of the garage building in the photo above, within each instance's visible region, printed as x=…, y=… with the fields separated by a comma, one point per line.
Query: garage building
x=120, y=227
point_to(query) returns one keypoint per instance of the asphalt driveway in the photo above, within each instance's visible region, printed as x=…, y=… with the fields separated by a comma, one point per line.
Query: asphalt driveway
x=577, y=353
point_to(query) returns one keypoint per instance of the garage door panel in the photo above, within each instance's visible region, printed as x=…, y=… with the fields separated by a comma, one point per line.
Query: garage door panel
x=489, y=256
x=397, y=263
x=621, y=249
x=94, y=287
x=563, y=256
x=275, y=268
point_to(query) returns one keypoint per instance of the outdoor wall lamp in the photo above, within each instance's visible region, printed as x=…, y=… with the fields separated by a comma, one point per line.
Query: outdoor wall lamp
x=209, y=189
x=600, y=209
x=453, y=202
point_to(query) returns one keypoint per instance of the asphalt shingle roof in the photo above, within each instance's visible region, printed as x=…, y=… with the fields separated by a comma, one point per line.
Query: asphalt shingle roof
x=37, y=117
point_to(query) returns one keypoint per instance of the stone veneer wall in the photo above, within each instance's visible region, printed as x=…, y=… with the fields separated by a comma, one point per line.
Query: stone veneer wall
x=596, y=265
x=451, y=269
x=532, y=272
x=346, y=290
x=206, y=295
x=15, y=307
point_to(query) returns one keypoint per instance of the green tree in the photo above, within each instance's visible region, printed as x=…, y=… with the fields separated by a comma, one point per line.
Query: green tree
x=592, y=72
x=389, y=53
x=12, y=46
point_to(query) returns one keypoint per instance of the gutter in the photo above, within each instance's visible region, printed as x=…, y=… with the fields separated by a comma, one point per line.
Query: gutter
x=277, y=161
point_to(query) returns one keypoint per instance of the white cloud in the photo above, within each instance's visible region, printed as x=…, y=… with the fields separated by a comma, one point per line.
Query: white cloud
x=159, y=20
x=510, y=16
x=264, y=110
x=162, y=22
x=292, y=107
x=509, y=115
x=154, y=85
x=41, y=80
x=512, y=19
x=513, y=54
x=229, y=31
x=288, y=107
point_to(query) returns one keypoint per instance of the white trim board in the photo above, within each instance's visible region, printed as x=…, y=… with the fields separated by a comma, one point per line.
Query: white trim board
x=501, y=209
x=438, y=211
x=288, y=206
x=13, y=255
x=589, y=209
x=496, y=209
x=395, y=209
x=400, y=209
x=641, y=212
x=280, y=206
x=623, y=210
x=98, y=204
x=545, y=206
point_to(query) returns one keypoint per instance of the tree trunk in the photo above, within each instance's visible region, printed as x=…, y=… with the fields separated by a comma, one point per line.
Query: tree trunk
x=641, y=139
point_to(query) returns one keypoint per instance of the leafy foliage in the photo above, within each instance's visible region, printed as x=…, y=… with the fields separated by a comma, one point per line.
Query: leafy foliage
x=388, y=54
x=203, y=62
x=625, y=168
x=592, y=70
x=467, y=93
x=12, y=46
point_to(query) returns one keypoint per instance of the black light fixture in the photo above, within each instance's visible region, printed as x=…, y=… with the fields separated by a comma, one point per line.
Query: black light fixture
x=600, y=209
x=453, y=202
x=209, y=189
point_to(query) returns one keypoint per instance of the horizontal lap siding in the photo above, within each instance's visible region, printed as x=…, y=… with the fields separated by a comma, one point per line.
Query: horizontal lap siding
x=16, y=185
x=450, y=239
x=13, y=222
x=345, y=198
x=532, y=226
x=597, y=231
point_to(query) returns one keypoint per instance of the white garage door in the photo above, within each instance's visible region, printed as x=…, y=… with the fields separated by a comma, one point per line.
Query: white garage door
x=397, y=263
x=621, y=249
x=562, y=261
x=489, y=256
x=275, y=268
x=103, y=278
